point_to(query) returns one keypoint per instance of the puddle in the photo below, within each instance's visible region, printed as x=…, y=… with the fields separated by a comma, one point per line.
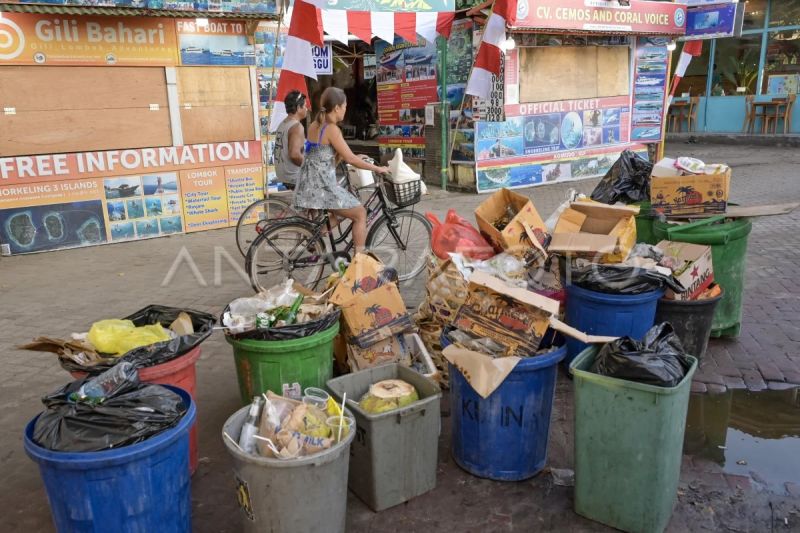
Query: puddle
x=748, y=433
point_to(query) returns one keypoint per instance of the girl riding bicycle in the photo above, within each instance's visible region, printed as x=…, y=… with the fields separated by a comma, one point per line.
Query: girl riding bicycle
x=317, y=187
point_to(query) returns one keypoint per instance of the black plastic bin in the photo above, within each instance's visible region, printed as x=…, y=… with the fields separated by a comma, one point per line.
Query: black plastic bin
x=692, y=320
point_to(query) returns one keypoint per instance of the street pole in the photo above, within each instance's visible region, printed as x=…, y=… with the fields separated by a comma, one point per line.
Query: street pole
x=443, y=112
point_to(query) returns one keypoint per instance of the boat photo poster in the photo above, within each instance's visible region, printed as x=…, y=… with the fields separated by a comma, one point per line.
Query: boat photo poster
x=649, y=88
x=551, y=141
x=217, y=43
x=406, y=78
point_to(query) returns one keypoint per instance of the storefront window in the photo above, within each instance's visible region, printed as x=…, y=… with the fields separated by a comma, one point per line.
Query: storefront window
x=784, y=13
x=694, y=82
x=736, y=65
x=782, y=69
x=755, y=14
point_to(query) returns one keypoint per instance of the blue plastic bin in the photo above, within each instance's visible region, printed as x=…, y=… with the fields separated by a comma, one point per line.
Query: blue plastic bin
x=142, y=487
x=504, y=437
x=598, y=313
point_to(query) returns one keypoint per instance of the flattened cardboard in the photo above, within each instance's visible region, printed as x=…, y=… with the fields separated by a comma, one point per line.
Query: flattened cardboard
x=590, y=228
x=513, y=317
x=392, y=349
x=513, y=237
x=673, y=195
x=372, y=306
x=698, y=275
x=482, y=372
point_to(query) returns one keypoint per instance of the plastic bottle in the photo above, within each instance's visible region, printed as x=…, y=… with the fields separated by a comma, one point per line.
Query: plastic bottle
x=97, y=389
x=246, y=440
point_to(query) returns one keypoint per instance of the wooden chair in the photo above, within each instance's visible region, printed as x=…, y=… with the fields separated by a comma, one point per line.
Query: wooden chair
x=749, y=114
x=691, y=118
x=761, y=110
x=676, y=116
x=782, y=110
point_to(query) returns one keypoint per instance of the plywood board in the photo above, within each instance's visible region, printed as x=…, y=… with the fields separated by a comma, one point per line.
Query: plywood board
x=217, y=124
x=37, y=88
x=573, y=72
x=613, y=72
x=214, y=86
x=48, y=132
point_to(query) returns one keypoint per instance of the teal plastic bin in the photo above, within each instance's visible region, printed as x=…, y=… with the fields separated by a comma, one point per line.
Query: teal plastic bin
x=628, y=447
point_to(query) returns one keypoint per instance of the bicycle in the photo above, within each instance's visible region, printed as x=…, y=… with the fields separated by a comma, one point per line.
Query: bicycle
x=296, y=247
x=276, y=206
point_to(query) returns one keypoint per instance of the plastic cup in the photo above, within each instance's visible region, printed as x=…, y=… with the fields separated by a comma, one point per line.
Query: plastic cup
x=335, y=421
x=316, y=397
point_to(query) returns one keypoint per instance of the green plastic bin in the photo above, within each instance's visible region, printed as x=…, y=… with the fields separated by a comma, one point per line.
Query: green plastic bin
x=284, y=367
x=628, y=447
x=644, y=224
x=728, y=241
x=394, y=455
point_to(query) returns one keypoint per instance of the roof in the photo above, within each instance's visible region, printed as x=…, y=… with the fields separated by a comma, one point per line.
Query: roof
x=128, y=12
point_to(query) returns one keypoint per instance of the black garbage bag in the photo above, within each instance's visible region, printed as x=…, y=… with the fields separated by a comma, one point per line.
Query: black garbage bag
x=622, y=279
x=292, y=331
x=131, y=413
x=160, y=352
x=627, y=181
x=659, y=359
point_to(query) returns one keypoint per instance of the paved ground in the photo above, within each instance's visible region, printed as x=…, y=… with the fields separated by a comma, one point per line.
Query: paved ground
x=61, y=292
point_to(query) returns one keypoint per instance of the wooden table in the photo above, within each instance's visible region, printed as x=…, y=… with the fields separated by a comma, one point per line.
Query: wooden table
x=767, y=107
x=676, y=112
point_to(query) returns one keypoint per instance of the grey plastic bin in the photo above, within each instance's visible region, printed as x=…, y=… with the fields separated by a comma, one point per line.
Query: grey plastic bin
x=293, y=495
x=394, y=454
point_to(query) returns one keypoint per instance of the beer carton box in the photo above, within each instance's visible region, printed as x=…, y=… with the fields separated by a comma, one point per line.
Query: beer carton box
x=514, y=236
x=588, y=228
x=674, y=194
x=697, y=271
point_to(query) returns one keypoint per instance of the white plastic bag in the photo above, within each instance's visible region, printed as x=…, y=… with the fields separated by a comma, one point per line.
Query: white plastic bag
x=400, y=172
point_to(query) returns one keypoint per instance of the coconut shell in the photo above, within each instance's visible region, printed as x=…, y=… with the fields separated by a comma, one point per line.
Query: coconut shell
x=388, y=395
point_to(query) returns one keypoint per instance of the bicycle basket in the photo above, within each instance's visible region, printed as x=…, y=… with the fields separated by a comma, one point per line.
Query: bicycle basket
x=403, y=194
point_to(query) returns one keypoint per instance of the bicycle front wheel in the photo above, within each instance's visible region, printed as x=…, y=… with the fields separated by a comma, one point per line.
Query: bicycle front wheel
x=402, y=241
x=257, y=216
x=286, y=250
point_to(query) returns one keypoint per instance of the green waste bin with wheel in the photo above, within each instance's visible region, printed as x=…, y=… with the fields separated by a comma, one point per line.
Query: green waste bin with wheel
x=728, y=242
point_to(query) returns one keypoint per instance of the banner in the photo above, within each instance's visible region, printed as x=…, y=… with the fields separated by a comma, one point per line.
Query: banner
x=564, y=166
x=714, y=21
x=417, y=6
x=323, y=59
x=24, y=170
x=217, y=6
x=641, y=16
x=31, y=39
x=649, y=89
x=217, y=43
x=406, y=78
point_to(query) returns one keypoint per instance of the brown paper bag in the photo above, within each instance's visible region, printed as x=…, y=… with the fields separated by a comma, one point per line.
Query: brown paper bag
x=482, y=372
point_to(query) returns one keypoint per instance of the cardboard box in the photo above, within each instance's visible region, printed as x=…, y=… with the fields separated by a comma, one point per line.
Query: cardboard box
x=514, y=317
x=673, y=194
x=513, y=237
x=372, y=306
x=591, y=228
x=697, y=273
x=389, y=350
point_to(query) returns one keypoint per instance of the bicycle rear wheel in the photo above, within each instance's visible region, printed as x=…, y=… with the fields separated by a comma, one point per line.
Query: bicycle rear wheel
x=286, y=250
x=401, y=241
x=257, y=216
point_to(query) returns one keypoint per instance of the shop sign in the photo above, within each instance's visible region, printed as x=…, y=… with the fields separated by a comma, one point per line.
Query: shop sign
x=714, y=21
x=32, y=39
x=323, y=59
x=602, y=16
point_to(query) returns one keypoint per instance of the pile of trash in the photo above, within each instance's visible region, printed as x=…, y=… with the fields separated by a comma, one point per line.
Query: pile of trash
x=283, y=312
x=108, y=411
x=151, y=336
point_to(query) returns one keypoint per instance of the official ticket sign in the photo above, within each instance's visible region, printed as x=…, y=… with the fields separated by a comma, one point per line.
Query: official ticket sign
x=602, y=16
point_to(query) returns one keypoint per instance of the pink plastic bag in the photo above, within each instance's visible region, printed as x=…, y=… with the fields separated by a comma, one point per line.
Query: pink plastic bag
x=457, y=235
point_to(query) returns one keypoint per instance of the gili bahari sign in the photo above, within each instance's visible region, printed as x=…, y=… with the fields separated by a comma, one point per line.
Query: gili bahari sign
x=602, y=16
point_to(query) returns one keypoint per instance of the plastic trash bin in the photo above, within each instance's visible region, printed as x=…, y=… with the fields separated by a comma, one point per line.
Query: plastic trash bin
x=692, y=320
x=598, y=313
x=181, y=372
x=283, y=367
x=394, y=455
x=628, y=447
x=728, y=241
x=141, y=487
x=644, y=224
x=504, y=437
x=292, y=495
